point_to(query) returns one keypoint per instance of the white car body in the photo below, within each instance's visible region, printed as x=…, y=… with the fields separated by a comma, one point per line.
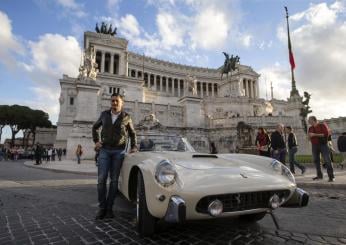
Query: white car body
x=239, y=181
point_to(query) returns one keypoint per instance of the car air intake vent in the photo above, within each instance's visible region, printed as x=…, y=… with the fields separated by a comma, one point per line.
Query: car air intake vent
x=203, y=155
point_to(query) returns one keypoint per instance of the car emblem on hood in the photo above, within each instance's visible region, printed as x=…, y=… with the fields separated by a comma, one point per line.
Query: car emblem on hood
x=243, y=175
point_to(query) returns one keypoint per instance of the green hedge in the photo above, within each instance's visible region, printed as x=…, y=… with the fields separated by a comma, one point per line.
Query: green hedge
x=308, y=158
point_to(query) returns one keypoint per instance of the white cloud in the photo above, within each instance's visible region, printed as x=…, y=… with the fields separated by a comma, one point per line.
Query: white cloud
x=8, y=42
x=73, y=8
x=170, y=30
x=277, y=76
x=129, y=26
x=246, y=40
x=210, y=29
x=112, y=3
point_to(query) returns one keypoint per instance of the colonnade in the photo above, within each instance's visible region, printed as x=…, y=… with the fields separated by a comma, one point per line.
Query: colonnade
x=250, y=88
x=173, y=86
x=108, y=62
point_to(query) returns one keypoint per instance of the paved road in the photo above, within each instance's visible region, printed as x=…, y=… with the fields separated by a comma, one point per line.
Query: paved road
x=42, y=207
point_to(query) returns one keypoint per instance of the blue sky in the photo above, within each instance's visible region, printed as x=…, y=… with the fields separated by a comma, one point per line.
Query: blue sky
x=42, y=39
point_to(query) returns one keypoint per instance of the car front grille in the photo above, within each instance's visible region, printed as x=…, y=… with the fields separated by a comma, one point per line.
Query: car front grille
x=241, y=201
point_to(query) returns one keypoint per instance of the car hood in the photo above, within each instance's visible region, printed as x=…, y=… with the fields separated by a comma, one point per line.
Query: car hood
x=203, y=173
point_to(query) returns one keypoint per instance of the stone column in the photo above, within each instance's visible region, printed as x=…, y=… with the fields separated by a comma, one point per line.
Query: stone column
x=167, y=84
x=201, y=86
x=112, y=64
x=247, y=88
x=207, y=88
x=155, y=86
x=160, y=83
x=254, y=89
x=103, y=62
x=178, y=88
x=212, y=90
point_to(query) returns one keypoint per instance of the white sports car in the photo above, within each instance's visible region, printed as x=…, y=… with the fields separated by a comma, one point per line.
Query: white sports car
x=169, y=181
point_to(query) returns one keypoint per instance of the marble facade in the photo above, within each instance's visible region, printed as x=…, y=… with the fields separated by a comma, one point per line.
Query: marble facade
x=159, y=87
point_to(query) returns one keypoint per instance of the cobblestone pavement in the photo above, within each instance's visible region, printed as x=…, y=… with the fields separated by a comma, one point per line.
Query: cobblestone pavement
x=63, y=213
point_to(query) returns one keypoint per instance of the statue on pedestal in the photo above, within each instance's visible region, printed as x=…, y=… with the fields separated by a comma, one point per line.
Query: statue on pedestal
x=88, y=68
x=191, y=85
x=230, y=64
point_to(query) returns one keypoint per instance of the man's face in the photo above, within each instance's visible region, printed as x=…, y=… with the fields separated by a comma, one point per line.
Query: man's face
x=116, y=103
x=279, y=128
x=311, y=122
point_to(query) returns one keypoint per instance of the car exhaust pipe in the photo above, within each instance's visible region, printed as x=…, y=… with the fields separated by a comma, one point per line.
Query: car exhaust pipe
x=300, y=198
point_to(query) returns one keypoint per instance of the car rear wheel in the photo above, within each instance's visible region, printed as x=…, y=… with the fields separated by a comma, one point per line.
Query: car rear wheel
x=253, y=217
x=145, y=221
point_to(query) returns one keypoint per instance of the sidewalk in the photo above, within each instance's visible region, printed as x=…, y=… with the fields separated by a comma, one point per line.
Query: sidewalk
x=87, y=167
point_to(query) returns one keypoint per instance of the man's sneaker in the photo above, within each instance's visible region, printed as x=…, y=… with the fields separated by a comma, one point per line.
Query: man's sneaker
x=109, y=214
x=317, y=178
x=100, y=214
x=303, y=170
x=331, y=180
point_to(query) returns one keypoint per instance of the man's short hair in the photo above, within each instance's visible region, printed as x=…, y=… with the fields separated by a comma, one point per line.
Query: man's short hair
x=313, y=118
x=289, y=127
x=117, y=94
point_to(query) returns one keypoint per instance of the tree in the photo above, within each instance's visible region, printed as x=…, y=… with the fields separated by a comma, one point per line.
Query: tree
x=23, y=118
x=38, y=119
x=3, y=117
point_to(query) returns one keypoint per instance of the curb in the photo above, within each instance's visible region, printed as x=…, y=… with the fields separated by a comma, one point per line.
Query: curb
x=60, y=170
x=322, y=186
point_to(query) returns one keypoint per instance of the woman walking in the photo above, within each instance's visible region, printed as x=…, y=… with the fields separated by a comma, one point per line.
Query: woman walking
x=263, y=142
x=79, y=153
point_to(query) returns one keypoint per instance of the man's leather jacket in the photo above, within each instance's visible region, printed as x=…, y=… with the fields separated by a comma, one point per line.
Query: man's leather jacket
x=114, y=136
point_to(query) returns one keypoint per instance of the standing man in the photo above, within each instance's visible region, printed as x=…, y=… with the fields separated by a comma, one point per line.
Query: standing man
x=278, y=144
x=342, y=148
x=117, y=129
x=318, y=134
x=292, y=150
x=38, y=154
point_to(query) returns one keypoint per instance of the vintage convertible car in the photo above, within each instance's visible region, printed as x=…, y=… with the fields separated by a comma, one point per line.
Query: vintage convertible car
x=169, y=181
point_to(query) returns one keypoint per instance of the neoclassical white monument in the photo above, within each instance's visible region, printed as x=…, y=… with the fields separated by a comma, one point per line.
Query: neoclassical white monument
x=187, y=100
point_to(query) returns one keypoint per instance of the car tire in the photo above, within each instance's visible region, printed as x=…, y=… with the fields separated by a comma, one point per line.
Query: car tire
x=145, y=221
x=253, y=217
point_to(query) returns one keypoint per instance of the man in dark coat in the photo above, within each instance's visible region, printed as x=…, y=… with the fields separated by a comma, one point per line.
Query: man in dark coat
x=278, y=144
x=342, y=148
x=117, y=130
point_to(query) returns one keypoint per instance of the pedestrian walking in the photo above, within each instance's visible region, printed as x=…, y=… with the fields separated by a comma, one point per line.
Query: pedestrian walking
x=1, y=153
x=49, y=155
x=79, y=153
x=342, y=148
x=213, y=149
x=53, y=154
x=278, y=144
x=59, y=153
x=263, y=142
x=292, y=150
x=318, y=134
x=117, y=129
x=38, y=154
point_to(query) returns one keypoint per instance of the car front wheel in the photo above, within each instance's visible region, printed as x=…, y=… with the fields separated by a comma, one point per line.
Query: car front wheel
x=145, y=221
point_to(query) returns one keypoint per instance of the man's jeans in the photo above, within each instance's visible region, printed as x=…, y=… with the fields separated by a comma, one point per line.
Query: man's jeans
x=318, y=149
x=280, y=155
x=110, y=162
x=292, y=159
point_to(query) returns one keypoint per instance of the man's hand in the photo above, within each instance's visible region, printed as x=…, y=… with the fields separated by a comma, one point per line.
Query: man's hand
x=312, y=135
x=133, y=150
x=98, y=145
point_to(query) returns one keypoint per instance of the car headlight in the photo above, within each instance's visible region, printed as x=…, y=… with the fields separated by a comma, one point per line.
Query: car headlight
x=279, y=167
x=165, y=173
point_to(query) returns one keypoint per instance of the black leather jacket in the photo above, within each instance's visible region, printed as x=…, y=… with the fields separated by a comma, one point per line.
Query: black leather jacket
x=115, y=135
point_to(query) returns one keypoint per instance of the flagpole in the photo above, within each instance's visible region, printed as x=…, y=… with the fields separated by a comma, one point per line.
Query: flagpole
x=294, y=90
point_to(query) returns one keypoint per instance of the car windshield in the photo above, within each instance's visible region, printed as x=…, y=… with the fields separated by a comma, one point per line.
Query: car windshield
x=163, y=143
